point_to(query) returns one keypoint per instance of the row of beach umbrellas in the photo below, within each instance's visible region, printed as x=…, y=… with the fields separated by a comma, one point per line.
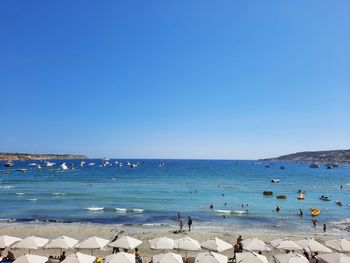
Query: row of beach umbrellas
x=165, y=243
x=206, y=257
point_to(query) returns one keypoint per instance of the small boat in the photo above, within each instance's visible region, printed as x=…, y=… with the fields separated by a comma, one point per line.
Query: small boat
x=275, y=180
x=314, y=165
x=22, y=170
x=64, y=166
x=31, y=164
x=315, y=211
x=39, y=167
x=340, y=203
x=301, y=196
x=82, y=163
x=281, y=197
x=49, y=164
x=91, y=164
x=9, y=164
x=324, y=198
x=267, y=193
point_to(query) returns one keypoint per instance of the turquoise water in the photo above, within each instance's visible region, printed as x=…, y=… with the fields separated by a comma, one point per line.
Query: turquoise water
x=187, y=186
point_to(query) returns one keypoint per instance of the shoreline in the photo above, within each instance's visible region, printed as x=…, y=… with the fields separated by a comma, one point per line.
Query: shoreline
x=82, y=231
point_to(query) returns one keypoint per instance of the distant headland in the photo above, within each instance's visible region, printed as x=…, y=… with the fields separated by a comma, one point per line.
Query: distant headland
x=31, y=156
x=334, y=156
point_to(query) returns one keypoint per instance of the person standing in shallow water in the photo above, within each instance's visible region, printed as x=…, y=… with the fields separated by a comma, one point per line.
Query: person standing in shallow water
x=189, y=223
x=181, y=225
x=324, y=228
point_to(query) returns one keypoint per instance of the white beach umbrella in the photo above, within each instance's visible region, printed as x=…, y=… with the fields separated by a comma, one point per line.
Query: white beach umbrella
x=216, y=244
x=254, y=244
x=79, y=258
x=62, y=242
x=167, y=258
x=187, y=243
x=93, y=243
x=120, y=257
x=210, y=257
x=6, y=241
x=32, y=242
x=285, y=244
x=162, y=243
x=126, y=242
x=341, y=244
x=290, y=258
x=250, y=257
x=30, y=259
x=311, y=245
x=333, y=258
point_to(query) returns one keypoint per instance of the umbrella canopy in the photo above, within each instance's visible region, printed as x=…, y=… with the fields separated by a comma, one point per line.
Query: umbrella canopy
x=32, y=242
x=285, y=244
x=79, y=258
x=162, y=243
x=290, y=258
x=6, y=241
x=187, y=243
x=311, y=244
x=93, y=243
x=167, y=258
x=126, y=242
x=28, y=258
x=250, y=257
x=254, y=244
x=210, y=257
x=341, y=244
x=62, y=242
x=334, y=258
x=216, y=244
x=120, y=258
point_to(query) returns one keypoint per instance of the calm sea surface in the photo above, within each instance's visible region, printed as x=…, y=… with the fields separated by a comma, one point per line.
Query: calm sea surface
x=153, y=193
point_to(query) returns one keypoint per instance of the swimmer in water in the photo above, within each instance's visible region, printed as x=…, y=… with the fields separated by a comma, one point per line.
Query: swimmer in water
x=211, y=206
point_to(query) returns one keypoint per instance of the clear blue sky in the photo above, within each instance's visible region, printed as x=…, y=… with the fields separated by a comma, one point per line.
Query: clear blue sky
x=174, y=79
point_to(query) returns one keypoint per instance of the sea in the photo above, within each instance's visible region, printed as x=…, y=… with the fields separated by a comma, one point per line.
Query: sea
x=155, y=191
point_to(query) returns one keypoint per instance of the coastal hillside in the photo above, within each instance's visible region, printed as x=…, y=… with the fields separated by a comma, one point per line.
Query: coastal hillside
x=334, y=156
x=30, y=156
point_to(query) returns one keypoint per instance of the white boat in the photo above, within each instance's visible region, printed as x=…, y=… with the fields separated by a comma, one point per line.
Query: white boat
x=9, y=164
x=39, y=167
x=49, y=164
x=82, y=163
x=275, y=180
x=64, y=166
x=31, y=164
x=91, y=164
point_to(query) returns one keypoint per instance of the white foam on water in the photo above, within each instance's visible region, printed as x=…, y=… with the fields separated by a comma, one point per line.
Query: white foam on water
x=223, y=211
x=33, y=199
x=137, y=210
x=95, y=208
x=19, y=193
x=58, y=193
x=121, y=210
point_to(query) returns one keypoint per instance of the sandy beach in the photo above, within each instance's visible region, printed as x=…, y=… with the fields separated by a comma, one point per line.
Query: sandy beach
x=145, y=233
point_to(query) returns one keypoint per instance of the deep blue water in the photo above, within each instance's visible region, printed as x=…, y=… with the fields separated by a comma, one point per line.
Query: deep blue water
x=186, y=186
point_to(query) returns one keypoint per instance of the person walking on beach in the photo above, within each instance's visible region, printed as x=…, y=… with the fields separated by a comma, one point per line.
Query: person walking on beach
x=115, y=249
x=178, y=217
x=324, y=228
x=189, y=223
